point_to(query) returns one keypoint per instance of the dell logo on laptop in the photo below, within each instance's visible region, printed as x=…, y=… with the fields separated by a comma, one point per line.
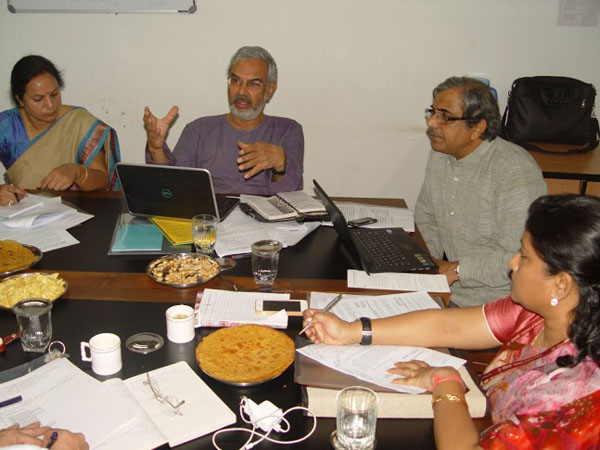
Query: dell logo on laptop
x=166, y=193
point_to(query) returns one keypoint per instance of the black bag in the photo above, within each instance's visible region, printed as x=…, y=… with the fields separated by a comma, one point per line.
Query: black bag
x=551, y=110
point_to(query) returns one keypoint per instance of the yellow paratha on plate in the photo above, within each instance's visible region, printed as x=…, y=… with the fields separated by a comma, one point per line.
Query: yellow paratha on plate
x=245, y=354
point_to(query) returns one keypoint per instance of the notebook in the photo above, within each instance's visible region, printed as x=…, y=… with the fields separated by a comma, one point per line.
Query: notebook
x=285, y=206
x=378, y=250
x=166, y=191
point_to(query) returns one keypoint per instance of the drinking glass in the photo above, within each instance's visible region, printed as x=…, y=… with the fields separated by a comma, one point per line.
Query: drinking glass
x=356, y=419
x=204, y=230
x=265, y=261
x=35, y=323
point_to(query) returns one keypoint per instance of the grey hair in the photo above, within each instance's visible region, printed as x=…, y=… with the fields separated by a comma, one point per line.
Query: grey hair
x=478, y=103
x=250, y=52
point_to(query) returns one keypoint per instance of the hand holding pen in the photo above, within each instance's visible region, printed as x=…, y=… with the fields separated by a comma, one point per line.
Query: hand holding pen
x=11, y=195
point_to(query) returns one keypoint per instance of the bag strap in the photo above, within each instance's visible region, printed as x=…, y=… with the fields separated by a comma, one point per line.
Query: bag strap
x=594, y=133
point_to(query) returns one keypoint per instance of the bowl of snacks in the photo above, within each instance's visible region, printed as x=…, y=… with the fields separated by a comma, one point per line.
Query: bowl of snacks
x=183, y=270
x=16, y=257
x=19, y=287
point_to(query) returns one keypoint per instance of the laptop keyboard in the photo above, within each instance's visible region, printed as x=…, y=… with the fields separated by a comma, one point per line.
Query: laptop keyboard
x=380, y=250
x=225, y=205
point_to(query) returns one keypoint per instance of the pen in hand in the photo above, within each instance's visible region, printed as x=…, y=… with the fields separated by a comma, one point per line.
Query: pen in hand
x=330, y=305
x=52, y=439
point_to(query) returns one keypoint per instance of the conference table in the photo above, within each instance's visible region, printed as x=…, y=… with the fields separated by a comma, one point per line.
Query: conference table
x=113, y=294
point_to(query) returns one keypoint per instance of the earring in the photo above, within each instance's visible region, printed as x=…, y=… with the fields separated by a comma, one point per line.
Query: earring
x=554, y=301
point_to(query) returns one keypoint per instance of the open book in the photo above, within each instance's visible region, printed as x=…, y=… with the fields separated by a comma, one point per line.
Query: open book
x=285, y=205
x=116, y=414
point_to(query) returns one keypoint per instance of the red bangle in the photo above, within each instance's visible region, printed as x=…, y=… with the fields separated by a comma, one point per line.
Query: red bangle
x=437, y=379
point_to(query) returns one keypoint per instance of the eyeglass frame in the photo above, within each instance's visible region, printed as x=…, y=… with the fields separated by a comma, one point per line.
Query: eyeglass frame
x=432, y=112
x=164, y=399
x=254, y=84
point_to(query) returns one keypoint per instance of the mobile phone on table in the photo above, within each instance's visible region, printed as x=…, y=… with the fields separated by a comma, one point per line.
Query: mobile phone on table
x=362, y=221
x=291, y=307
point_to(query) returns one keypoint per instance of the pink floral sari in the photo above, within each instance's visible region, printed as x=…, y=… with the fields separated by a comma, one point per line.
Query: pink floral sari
x=534, y=403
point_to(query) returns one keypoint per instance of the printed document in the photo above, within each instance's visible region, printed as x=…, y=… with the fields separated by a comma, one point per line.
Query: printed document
x=387, y=217
x=371, y=362
x=398, y=281
x=238, y=231
x=351, y=307
x=218, y=308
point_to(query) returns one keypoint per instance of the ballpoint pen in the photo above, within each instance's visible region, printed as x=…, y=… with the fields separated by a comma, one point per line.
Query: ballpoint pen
x=52, y=440
x=330, y=305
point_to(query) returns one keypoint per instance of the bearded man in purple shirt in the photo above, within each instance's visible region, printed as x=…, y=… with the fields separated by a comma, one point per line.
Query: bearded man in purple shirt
x=246, y=151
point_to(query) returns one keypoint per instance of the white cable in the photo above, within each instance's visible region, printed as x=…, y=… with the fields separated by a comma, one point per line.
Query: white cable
x=281, y=416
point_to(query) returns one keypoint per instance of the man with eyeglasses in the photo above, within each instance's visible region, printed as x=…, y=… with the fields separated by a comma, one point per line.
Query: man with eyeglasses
x=246, y=151
x=477, y=189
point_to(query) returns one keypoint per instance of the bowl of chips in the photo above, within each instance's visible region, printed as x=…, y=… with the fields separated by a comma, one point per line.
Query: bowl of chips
x=15, y=257
x=183, y=270
x=19, y=287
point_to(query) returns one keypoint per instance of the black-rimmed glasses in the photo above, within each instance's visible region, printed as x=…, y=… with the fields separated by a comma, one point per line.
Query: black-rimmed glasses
x=441, y=116
x=167, y=400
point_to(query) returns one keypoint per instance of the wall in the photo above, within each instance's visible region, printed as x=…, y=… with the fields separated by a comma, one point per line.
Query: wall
x=357, y=75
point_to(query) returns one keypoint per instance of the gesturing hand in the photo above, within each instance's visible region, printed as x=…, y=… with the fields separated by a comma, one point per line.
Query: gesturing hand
x=260, y=156
x=157, y=129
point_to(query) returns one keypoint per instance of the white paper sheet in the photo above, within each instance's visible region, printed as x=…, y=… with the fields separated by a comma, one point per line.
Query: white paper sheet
x=351, y=307
x=398, y=281
x=60, y=395
x=218, y=308
x=46, y=239
x=387, y=217
x=26, y=204
x=370, y=363
x=237, y=233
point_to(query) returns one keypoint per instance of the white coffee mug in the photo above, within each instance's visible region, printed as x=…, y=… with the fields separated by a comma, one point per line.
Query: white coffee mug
x=105, y=353
x=180, y=324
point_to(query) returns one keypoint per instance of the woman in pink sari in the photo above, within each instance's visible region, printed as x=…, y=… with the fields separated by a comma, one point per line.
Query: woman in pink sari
x=544, y=384
x=47, y=145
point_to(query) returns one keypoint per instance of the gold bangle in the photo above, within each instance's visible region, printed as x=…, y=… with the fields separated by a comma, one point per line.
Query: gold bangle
x=84, y=178
x=449, y=397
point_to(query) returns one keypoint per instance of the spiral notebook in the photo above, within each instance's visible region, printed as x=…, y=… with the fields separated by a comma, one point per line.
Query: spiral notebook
x=285, y=206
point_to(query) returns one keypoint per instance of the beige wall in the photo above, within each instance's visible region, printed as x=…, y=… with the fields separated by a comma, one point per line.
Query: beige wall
x=356, y=74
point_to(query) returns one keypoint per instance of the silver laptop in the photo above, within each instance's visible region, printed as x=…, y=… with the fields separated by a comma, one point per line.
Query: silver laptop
x=169, y=191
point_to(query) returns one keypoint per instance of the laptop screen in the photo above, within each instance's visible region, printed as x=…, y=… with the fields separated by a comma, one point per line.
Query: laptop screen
x=153, y=190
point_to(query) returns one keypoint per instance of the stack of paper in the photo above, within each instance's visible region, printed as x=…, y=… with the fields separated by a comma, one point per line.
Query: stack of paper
x=217, y=308
x=41, y=222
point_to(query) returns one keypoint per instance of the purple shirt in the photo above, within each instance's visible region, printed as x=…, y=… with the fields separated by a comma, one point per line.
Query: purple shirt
x=211, y=143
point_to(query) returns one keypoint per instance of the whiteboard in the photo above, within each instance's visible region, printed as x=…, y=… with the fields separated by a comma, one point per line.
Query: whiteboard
x=102, y=6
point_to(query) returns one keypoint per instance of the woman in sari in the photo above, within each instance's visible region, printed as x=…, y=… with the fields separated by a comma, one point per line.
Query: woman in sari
x=47, y=145
x=543, y=386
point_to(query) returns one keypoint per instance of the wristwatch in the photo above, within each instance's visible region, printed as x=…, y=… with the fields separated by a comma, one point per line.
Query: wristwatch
x=367, y=332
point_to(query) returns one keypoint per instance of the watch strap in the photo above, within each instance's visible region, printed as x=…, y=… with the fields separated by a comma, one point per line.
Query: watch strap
x=367, y=331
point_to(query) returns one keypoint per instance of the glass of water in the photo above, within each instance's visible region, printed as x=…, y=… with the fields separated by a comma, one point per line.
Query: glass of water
x=356, y=419
x=204, y=231
x=265, y=261
x=35, y=323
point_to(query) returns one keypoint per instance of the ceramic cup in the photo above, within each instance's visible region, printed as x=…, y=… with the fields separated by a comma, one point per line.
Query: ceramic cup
x=104, y=353
x=180, y=324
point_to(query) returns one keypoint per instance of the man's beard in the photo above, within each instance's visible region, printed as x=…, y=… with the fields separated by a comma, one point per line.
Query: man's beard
x=246, y=114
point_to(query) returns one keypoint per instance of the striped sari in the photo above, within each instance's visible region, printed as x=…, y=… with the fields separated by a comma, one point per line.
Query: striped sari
x=75, y=137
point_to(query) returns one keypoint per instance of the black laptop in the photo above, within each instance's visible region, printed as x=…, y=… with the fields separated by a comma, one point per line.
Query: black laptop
x=377, y=249
x=168, y=191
